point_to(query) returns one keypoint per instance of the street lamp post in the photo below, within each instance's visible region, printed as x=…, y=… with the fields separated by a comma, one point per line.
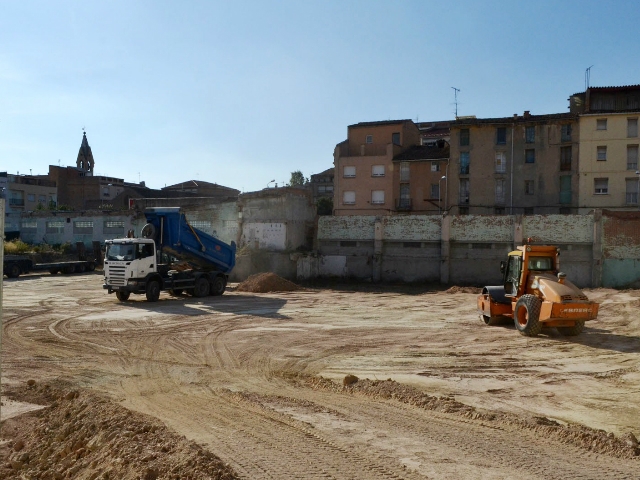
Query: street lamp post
x=444, y=177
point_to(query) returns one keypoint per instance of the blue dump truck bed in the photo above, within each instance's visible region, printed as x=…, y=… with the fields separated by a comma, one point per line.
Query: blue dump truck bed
x=173, y=234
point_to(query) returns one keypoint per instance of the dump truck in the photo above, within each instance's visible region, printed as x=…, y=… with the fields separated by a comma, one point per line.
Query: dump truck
x=536, y=294
x=170, y=255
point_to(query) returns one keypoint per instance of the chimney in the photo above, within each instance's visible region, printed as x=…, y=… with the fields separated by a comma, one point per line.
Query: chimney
x=527, y=114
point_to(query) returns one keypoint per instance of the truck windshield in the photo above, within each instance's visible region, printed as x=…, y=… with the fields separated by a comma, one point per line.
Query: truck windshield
x=540, y=263
x=120, y=251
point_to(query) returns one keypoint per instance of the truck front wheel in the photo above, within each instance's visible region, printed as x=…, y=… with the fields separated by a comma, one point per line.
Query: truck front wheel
x=526, y=315
x=123, y=296
x=201, y=287
x=14, y=271
x=153, y=291
x=218, y=286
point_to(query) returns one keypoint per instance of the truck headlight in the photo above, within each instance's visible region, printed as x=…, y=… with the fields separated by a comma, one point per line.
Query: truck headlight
x=132, y=282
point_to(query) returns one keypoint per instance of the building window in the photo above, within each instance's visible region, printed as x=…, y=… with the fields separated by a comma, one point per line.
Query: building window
x=114, y=226
x=632, y=157
x=42, y=198
x=395, y=138
x=565, y=134
x=464, y=137
x=601, y=186
x=530, y=134
x=325, y=188
x=632, y=127
x=498, y=211
x=602, y=153
x=464, y=163
x=29, y=225
x=528, y=187
x=601, y=124
x=632, y=191
x=464, y=191
x=368, y=139
x=83, y=227
x=405, y=197
x=377, y=171
x=528, y=210
x=349, y=172
x=565, y=158
x=435, y=166
x=404, y=171
x=529, y=155
x=17, y=198
x=500, y=191
x=31, y=197
x=349, y=198
x=501, y=162
x=501, y=136
x=56, y=226
x=435, y=191
x=377, y=197
x=565, y=189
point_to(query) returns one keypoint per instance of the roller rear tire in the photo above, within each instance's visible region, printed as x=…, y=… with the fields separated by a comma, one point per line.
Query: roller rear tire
x=526, y=315
x=572, y=331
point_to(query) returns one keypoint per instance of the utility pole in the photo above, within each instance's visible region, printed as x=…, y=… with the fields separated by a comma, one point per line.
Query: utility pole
x=587, y=78
x=455, y=96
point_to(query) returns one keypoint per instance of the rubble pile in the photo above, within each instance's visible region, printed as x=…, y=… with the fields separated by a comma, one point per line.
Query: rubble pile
x=267, y=282
x=81, y=435
x=456, y=289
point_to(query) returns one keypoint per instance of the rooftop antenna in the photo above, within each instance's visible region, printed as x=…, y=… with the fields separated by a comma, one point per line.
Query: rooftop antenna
x=455, y=95
x=587, y=78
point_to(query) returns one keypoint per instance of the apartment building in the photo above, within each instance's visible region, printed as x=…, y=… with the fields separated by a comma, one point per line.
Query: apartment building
x=524, y=164
x=364, y=166
x=608, y=124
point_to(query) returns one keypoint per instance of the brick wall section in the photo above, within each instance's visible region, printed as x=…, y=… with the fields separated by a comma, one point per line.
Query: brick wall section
x=559, y=229
x=621, y=235
x=482, y=228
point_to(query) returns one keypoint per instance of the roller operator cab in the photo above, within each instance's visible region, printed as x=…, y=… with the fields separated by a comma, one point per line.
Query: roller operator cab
x=536, y=294
x=171, y=256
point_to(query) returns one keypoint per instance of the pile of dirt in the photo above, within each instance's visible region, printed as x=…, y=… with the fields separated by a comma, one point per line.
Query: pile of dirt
x=580, y=436
x=82, y=435
x=267, y=282
x=456, y=289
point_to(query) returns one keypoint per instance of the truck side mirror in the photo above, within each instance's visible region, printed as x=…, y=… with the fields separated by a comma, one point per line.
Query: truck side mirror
x=502, y=267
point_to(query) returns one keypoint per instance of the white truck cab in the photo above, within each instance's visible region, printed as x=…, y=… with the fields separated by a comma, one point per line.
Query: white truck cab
x=128, y=261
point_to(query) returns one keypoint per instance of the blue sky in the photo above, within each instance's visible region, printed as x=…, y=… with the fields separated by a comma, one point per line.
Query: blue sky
x=240, y=93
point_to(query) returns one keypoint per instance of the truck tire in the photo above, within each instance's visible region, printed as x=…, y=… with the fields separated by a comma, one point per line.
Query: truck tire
x=527, y=314
x=91, y=266
x=153, y=291
x=54, y=271
x=218, y=286
x=572, y=331
x=14, y=270
x=148, y=231
x=80, y=268
x=123, y=296
x=67, y=269
x=201, y=287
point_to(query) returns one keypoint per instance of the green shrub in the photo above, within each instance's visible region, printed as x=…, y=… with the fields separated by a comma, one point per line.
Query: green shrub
x=16, y=247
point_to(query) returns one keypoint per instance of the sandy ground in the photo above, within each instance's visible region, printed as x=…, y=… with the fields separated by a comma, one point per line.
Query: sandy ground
x=257, y=380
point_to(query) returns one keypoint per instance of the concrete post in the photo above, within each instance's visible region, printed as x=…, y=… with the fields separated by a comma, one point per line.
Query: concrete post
x=376, y=264
x=445, y=247
x=518, y=231
x=597, y=251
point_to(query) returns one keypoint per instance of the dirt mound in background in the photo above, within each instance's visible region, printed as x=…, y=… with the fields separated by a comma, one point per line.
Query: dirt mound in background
x=456, y=289
x=267, y=282
x=82, y=435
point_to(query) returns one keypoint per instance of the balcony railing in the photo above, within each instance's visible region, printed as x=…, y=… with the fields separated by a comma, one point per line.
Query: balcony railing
x=464, y=198
x=404, y=204
x=632, y=198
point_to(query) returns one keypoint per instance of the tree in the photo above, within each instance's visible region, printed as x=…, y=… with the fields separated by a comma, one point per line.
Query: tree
x=325, y=206
x=297, y=179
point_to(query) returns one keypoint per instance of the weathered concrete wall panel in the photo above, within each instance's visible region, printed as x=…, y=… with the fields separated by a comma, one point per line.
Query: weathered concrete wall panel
x=346, y=228
x=482, y=228
x=471, y=265
x=621, y=249
x=424, y=228
x=558, y=229
x=266, y=236
x=260, y=261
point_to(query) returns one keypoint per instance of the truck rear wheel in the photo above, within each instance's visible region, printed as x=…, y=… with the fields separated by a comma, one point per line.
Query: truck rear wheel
x=201, y=287
x=80, y=268
x=218, y=286
x=153, y=291
x=572, y=331
x=123, y=296
x=527, y=315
